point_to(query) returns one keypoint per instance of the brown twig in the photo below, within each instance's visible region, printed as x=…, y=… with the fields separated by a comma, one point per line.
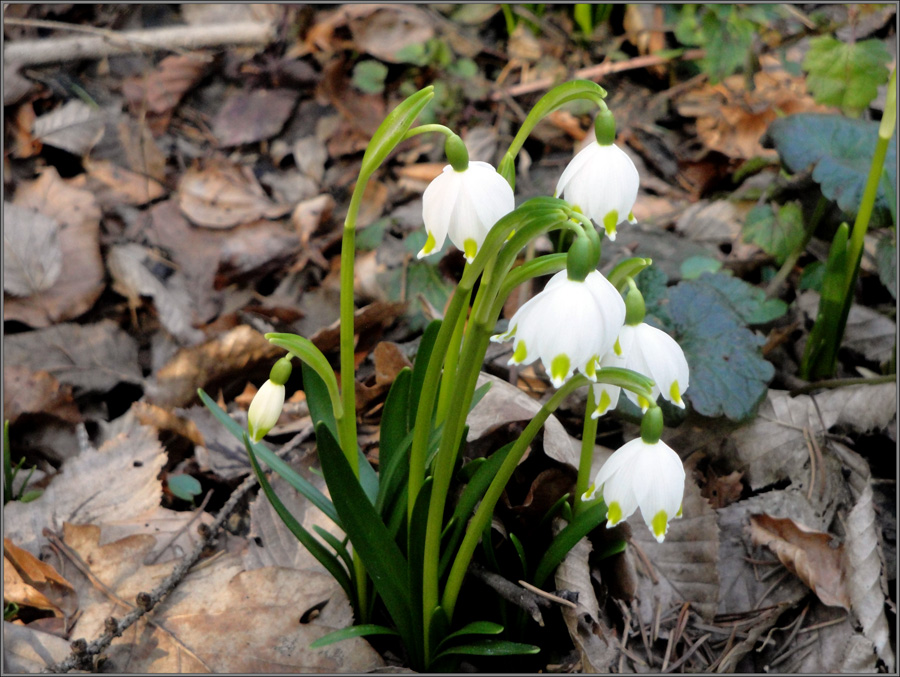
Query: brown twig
x=512, y=592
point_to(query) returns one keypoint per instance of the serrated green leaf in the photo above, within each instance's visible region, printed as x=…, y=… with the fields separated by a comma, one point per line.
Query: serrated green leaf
x=846, y=75
x=368, y=76
x=694, y=266
x=777, y=234
x=184, y=487
x=728, y=373
x=652, y=283
x=840, y=151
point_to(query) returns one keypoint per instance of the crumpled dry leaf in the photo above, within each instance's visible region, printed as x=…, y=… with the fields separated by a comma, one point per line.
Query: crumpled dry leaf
x=311, y=155
x=93, y=357
x=384, y=30
x=210, y=362
x=118, y=479
x=807, y=553
x=32, y=256
x=866, y=581
x=503, y=404
x=175, y=532
x=75, y=127
x=35, y=392
x=162, y=89
x=223, y=195
x=248, y=117
x=868, y=332
x=42, y=582
x=29, y=650
x=80, y=281
x=128, y=266
x=112, y=185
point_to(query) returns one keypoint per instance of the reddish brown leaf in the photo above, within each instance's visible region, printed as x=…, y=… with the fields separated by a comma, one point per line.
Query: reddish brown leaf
x=40, y=578
x=33, y=392
x=254, y=116
x=163, y=88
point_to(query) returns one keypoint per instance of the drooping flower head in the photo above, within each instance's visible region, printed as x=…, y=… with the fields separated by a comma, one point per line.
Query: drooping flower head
x=601, y=179
x=265, y=409
x=568, y=326
x=463, y=203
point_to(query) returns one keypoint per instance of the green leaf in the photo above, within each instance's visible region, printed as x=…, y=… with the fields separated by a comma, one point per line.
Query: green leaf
x=286, y=472
x=694, y=266
x=339, y=546
x=316, y=549
x=776, y=234
x=886, y=259
x=846, y=75
x=653, y=284
x=490, y=647
x=368, y=76
x=418, y=278
x=565, y=540
x=728, y=374
x=312, y=359
x=748, y=302
x=420, y=366
x=813, y=275
x=392, y=130
x=473, y=628
x=184, y=487
x=371, y=539
x=366, y=630
x=463, y=68
x=395, y=418
x=840, y=151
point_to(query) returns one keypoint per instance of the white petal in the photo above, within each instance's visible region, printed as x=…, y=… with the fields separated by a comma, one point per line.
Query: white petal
x=438, y=202
x=661, y=489
x=491, y=194
x=265, y=409
x=572, y=170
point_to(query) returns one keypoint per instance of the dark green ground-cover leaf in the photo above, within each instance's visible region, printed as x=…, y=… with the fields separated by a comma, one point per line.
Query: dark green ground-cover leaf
x=886, y=258
x=846, y=75
x=777, y=233
x=841, y=150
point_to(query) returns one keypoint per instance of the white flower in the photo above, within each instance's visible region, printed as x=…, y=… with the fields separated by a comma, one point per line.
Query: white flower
x=651, y=352
x=645, y=476
x=603, y=182
x=569, y=325
x=464, y=205
x=265, y=409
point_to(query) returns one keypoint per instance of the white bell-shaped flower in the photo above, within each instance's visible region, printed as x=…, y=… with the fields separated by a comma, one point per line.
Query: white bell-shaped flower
x=464, y=205
x=645, y=476
x=648, y=351
x=265, y=409
x=602, y=181
x=568, y=325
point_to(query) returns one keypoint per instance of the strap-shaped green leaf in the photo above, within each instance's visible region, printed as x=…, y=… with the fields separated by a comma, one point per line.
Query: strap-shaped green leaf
x=473, y=628
x=566, y=539
x=316, y=549
x=286, y=472
x=395, y=418
x=371, y=540
x=490, y=647
x=423, y=355
x=366, y=630
x=391, y=131
x=339, y=546
x=319, y=399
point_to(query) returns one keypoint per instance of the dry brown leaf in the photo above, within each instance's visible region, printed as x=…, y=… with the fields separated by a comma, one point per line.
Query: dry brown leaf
x=118, y=479
x=36, y=392
x=207, y=364
x=309, y=214
x=722, y=490
x=75, y=127
x=311, y=155
x=175, y=532
x=17, y=591
x=94, y=357
x=32, y=255
x=29, y=650
x=224, y=13
x=384, y=30
x=716, y=223
x=163, y=88
x=377, y=314
x=223, y=195
x=645, y=28
x=248, y=117
x=868, y=332
x=254, y=246
x=218, y=450
x=80, y=281
x=23, y=143
x=807, y=553
x=163, y=419
x=113, y=185
x=40, y=577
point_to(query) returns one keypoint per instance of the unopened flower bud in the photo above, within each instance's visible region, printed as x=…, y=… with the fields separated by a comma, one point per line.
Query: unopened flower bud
x=265, y=409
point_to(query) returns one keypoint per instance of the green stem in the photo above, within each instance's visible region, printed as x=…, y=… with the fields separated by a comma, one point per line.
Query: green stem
x=588, y=438
x=789, y=263
x=483, y=515
x=425, y=129
x=446, y=387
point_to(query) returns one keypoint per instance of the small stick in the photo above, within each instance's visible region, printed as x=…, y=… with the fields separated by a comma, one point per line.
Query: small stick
x=687, y=654
x=511, y=592
x=178, y=533
x=553, y=598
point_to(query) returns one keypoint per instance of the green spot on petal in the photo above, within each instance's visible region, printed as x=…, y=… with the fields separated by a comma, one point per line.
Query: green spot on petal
x=631, y=218
x=675, y=393
x=605, y=401
x=658, y=524
x=618, y=348
x=520, y=353
x=643, y=403
x=429, y=244
x=614, y=514
x=559, y=367
x=590, y=369
x=678, y=514
x=470, y=248
x=610, y=221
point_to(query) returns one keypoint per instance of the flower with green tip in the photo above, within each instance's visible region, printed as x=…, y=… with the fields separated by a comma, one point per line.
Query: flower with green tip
x=651, y=352
x=464, y=205
x=568, y=326
x=602, y=181
x=645, y=476
x=265, y=409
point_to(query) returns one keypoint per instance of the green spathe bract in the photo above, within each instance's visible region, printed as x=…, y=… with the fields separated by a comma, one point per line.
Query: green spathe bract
x=409, y=541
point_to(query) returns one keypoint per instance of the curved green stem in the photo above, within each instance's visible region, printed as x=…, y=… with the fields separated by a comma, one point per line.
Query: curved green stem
x=425, y=129
x=483, y=515
x=588, y=438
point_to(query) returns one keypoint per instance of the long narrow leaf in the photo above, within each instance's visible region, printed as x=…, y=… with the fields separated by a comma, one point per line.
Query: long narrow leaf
x=339, y=546
x=370, y=538
x=319, y=400
x=566, y=539
x=395, y=418
x=490, y=647
x=368, y=478
x=473, y=628
x=426, y=345
x=353, y=631
x=316, y=549
x=286, y=472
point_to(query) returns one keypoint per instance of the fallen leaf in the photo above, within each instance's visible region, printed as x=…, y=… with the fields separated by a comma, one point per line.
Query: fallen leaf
x=112, y=185
x=23, y=143
x=28, y=650
x=385, y=30
x=223, y=195
x=225, y=13
x=163, y=88
x=175, y=532
x=75, y=127
x=217, y=450
x=367, y=318
x=252, y=247
x=36, y=392
x=309, y=214
x=207, y=365
x=868, y=332
x=722, y=490
x=118, y=479
x=89, y=357
x=807, y=553
x=311, y=155
x=247, y=117
x=40, y=577
x=32, y=256
x=132, y=278
x=80, y=280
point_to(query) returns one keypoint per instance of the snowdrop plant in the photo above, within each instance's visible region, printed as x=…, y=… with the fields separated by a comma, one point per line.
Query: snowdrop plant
x=413, y=527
